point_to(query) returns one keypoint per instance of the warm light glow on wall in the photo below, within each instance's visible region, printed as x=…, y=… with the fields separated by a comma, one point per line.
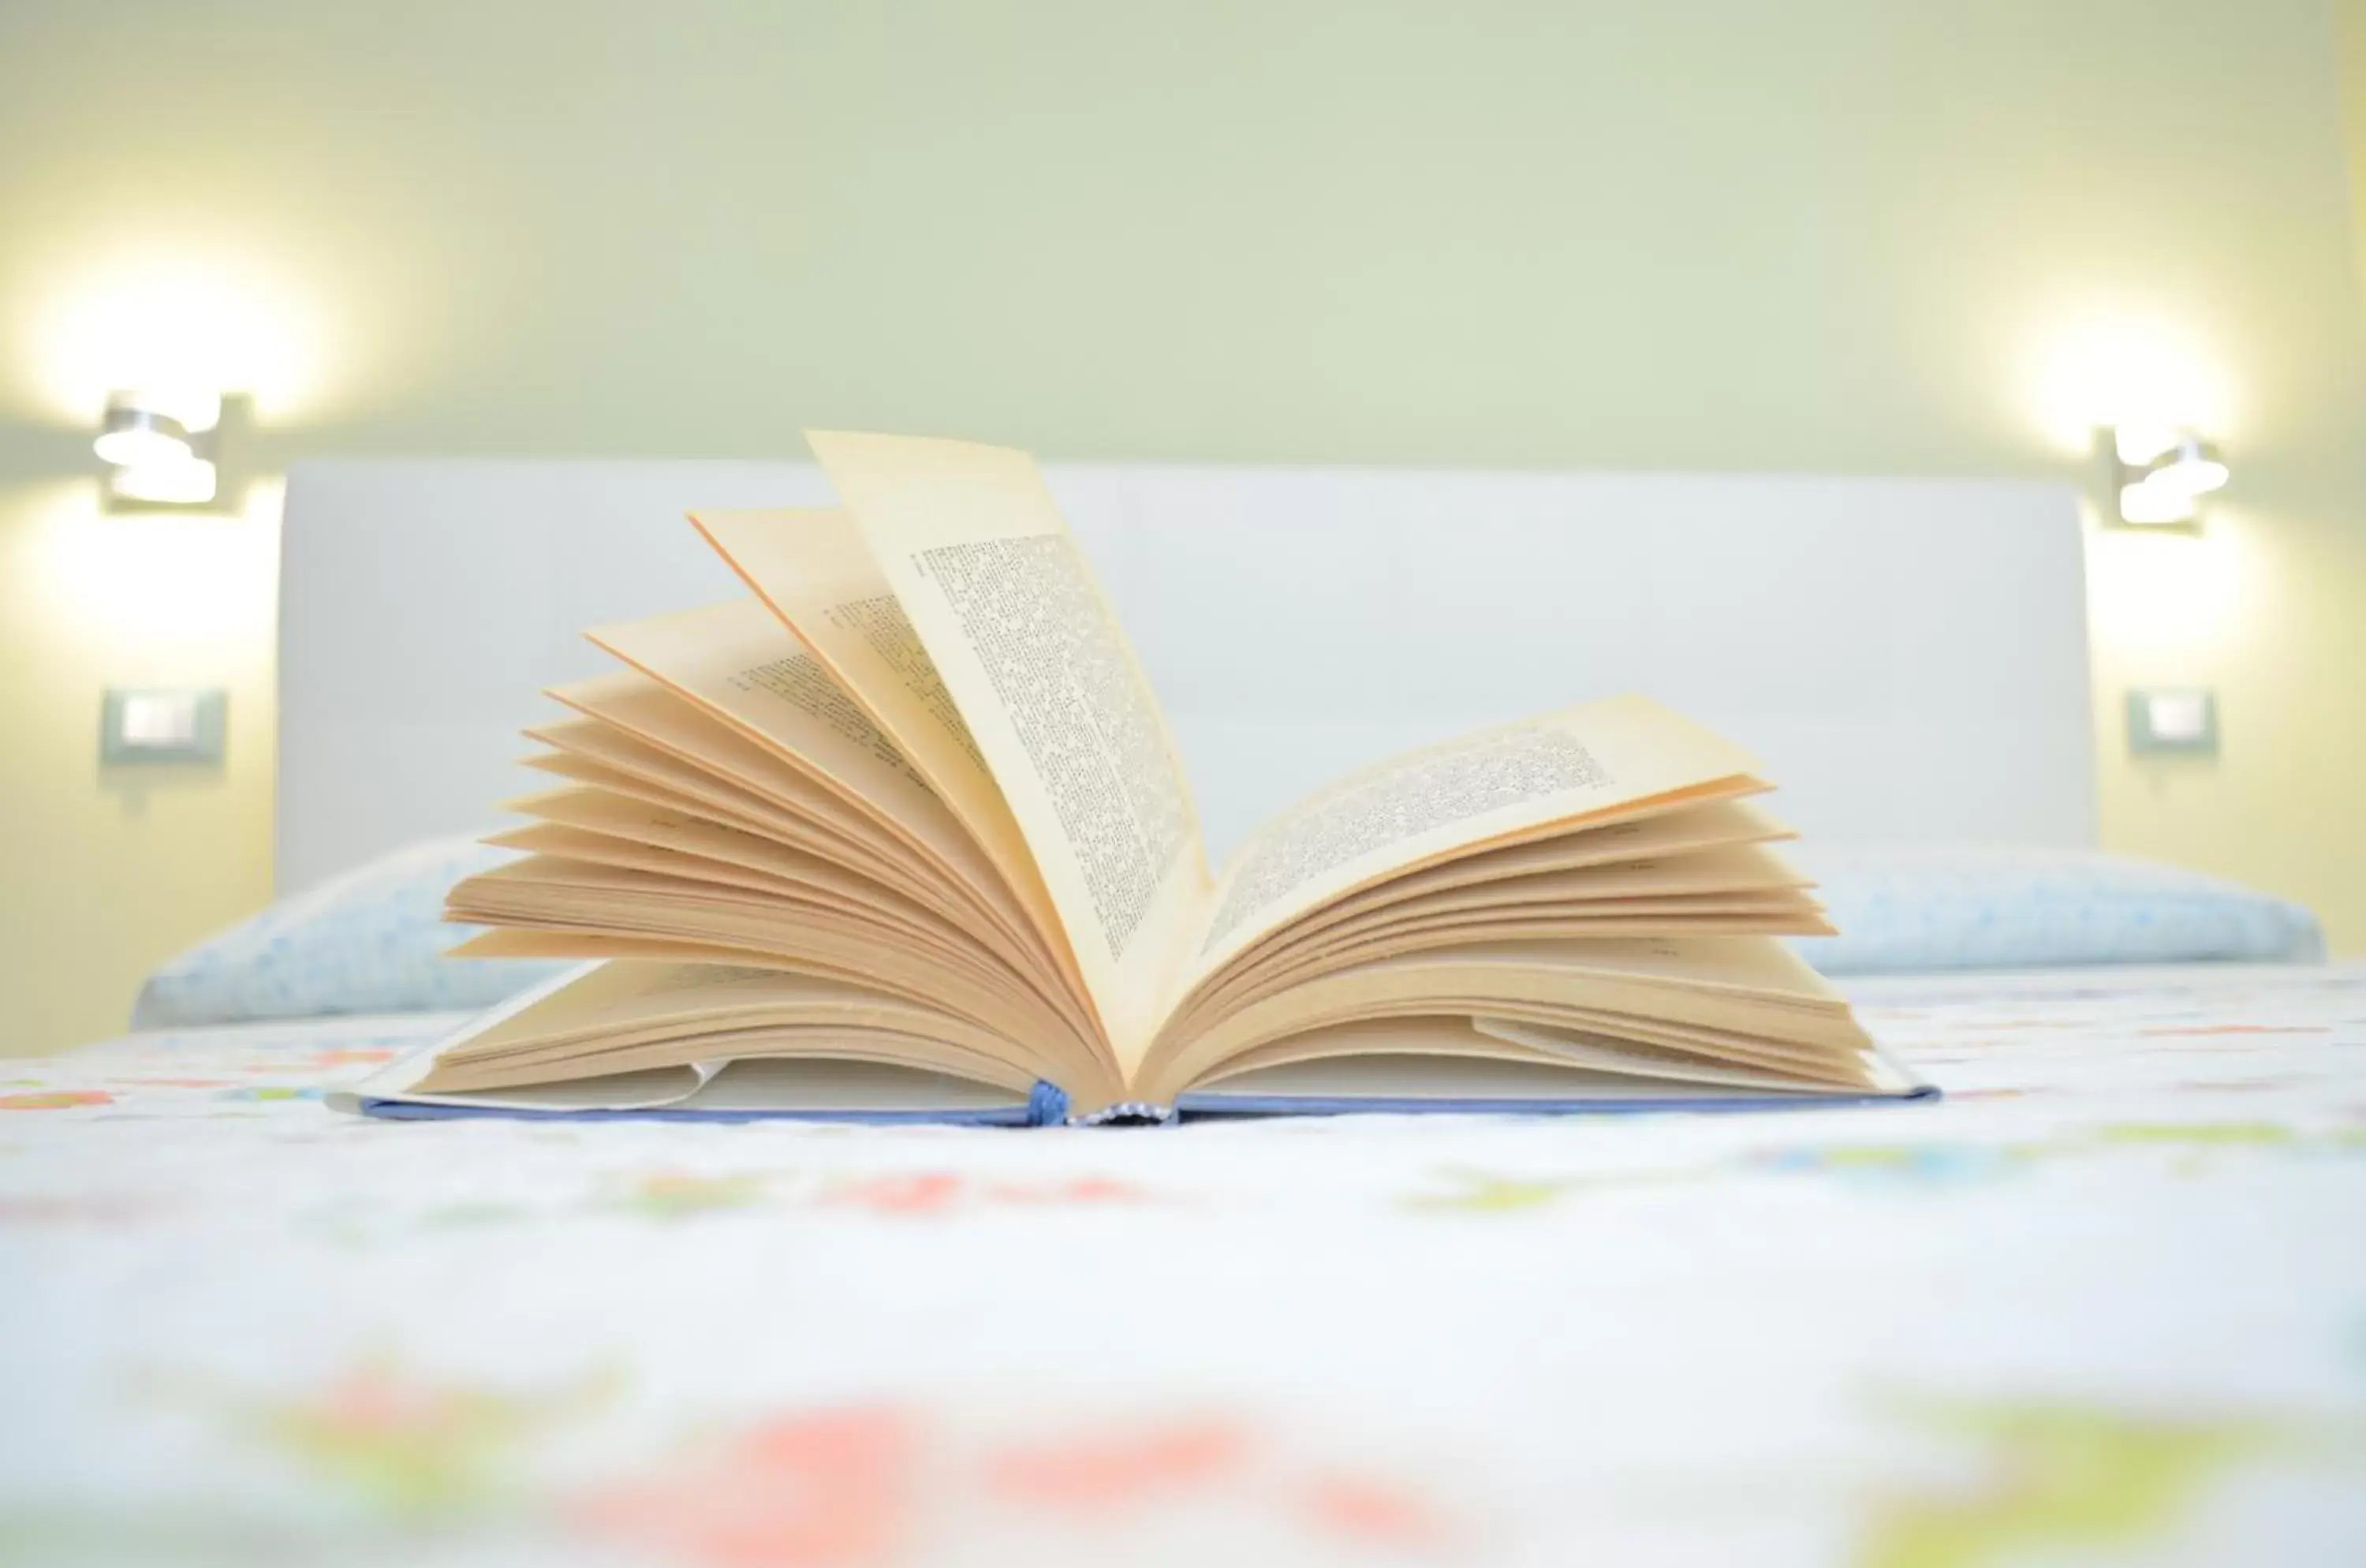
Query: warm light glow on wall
x=2124, y=371
x=162, y=593
x=2168, y=603
x=176, y=326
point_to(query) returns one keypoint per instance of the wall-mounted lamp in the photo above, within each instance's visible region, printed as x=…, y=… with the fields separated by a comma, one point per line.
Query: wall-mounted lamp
x=2159, y=476
x=159, y=451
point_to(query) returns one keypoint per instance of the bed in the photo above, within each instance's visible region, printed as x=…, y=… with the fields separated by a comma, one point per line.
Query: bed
x=2106, y=1302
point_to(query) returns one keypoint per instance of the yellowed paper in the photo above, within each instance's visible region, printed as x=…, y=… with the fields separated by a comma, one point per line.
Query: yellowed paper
x=972, y=545
x=837, y=940
x=1446, y=799
x=1720, y=870
x=637, y=764
x=817, y=574
x=740, y=663
x=1747, y=989
x=627, y=1016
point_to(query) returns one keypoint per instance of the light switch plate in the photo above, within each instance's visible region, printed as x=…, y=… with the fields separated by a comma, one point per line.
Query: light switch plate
x=153, y=723
x=2180, y=721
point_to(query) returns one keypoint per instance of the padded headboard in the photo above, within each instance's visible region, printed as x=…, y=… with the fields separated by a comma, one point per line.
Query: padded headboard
x=1907, y=656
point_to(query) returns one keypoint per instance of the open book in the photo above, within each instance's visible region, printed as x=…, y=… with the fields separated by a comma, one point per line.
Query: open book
x=902, y=835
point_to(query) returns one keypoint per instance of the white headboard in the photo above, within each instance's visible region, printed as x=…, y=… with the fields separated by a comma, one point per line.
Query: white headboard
x=1907, y=656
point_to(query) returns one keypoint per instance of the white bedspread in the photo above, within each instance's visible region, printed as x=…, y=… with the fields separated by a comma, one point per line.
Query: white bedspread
x=2108, y=1302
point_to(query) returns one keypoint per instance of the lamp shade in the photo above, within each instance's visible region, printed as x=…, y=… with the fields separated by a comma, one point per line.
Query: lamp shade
x=134, y=436
x=2191, y=466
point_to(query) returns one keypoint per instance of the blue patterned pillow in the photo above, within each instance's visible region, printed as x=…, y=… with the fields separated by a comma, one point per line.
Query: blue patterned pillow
x=370, y=941
x=1915, y=909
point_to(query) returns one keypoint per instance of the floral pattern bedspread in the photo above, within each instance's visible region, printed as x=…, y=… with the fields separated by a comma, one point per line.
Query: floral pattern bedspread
x=2106, y=1303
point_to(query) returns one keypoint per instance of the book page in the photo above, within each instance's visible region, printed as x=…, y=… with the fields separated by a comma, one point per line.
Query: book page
x=591, y=1025
x=1587, y=861
x=634, y=722
x=732, y=690
x=837, y=940
x=739, y=663
x=1750, y=999
x=1681, y=832
x=1582, y=763
x=973, y=545
x=811, y=567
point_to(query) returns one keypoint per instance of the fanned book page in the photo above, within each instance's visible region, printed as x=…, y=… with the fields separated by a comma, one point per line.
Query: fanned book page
x=902, y=835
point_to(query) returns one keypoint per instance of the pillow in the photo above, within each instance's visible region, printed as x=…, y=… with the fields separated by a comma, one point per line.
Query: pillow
x=370, y=941
x=1924, y=908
